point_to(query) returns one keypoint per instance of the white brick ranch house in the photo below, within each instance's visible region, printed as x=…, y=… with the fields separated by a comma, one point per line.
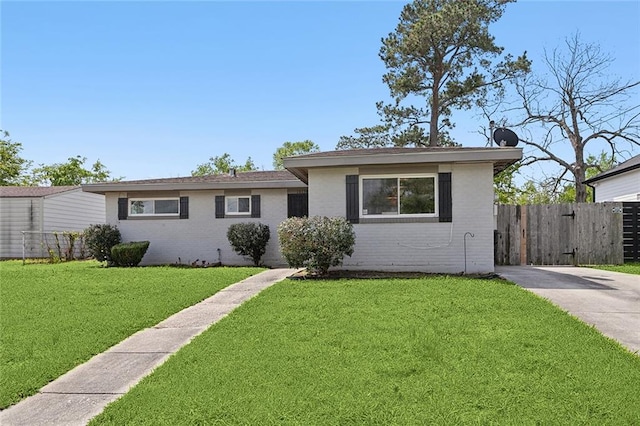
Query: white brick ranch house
x=413, y=209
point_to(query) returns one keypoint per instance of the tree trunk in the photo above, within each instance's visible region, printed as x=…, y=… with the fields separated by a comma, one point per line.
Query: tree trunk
x=435, y=107
x=579, y=174
x=433, y=129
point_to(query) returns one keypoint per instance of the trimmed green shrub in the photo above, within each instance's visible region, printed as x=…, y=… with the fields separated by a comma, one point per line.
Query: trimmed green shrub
x=249, y=239
x=316, y=243
x=100, y=238
x=129, y=254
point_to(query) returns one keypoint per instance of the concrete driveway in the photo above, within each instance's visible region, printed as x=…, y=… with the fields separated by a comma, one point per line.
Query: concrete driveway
x=610, y=301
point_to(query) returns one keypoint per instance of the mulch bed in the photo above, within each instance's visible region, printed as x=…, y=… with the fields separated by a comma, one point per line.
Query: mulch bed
x=350, y=274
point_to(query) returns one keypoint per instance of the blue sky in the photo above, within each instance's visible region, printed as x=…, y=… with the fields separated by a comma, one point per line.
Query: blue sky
x=154, y=88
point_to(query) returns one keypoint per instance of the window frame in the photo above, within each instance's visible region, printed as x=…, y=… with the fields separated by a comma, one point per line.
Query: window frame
x=154, y=214
x=398, y=177
x=237, y=198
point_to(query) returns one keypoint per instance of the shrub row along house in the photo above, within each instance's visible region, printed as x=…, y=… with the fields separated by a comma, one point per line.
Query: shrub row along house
x=413, y=209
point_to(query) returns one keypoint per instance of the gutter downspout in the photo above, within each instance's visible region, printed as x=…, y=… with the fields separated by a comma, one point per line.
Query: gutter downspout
x=594, y=190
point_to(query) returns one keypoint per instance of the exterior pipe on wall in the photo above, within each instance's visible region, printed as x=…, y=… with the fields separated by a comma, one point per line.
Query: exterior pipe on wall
x=431, y=247
x=23, y=249
x=465, y=249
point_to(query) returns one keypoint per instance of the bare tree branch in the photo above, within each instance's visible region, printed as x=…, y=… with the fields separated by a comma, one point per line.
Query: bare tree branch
x=579, y=105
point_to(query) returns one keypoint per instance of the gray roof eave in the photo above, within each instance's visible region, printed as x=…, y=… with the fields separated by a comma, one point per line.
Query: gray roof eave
x=504, y=156
x=101, y=188
x=611, y=173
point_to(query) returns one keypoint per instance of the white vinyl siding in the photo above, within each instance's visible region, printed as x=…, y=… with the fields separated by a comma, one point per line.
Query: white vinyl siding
x=68, y=211
x=622, y=187
x=73, y=211
x=16, y=215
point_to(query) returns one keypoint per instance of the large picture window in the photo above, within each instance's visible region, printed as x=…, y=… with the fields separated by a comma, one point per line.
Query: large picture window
x=398, y=195
x=154, y=207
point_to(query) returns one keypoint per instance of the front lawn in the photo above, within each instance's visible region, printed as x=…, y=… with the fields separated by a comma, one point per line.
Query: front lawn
x=627, y=268
x=437, y=350
x=54, y=317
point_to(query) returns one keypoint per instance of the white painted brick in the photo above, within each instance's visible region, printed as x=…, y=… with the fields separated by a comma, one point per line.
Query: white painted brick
x=201, y=235
x=428, y=247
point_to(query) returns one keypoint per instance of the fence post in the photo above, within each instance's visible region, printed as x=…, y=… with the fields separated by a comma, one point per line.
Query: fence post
x=523, y=235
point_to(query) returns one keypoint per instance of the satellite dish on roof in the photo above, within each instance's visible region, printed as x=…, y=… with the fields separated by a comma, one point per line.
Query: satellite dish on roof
x=505, y=137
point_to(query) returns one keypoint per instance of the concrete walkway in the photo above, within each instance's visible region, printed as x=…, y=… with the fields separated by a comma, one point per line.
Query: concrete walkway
x=82, y=393
x=610, y=301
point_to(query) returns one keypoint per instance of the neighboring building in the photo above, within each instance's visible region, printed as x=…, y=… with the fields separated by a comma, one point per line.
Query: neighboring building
x=413, y=209
x=622, y=183
x=40, y=210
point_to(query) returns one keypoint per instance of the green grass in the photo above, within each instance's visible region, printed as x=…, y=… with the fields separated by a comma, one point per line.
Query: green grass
x=627, y=268
x=441, y=350
x=54, y=317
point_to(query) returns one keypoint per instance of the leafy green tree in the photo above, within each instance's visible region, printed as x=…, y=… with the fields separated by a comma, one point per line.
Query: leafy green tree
x=442, y=52
x=222, y=164
x=377, y=136
x=533, y=193
x=504, y=184
x=289, y=149
x=73, y=172
x=13, y=168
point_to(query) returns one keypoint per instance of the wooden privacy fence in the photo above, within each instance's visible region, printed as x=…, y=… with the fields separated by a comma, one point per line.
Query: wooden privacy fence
x=567, y=234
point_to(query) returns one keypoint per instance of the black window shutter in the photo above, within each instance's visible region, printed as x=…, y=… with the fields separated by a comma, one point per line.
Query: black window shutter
x=255, y=206
x=445, y=201
x=123, y=208
x=298, y=205
x=219, y=206
x=352, y=199
x=184, y=207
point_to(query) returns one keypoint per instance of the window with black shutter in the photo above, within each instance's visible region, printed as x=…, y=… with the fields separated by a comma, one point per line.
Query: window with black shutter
x=353, y=208
x=219, y=206
x=445, y=202
x=123, y=208
x=184, y=207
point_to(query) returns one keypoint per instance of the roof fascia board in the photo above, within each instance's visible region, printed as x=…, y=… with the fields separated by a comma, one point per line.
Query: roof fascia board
x=68, y=191
x=470, y=156
x=189, y=186
x=612, y=174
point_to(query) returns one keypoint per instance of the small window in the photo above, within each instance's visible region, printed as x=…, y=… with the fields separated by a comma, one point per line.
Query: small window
x=154, y=207
x=238, y=205
x=398, y=195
